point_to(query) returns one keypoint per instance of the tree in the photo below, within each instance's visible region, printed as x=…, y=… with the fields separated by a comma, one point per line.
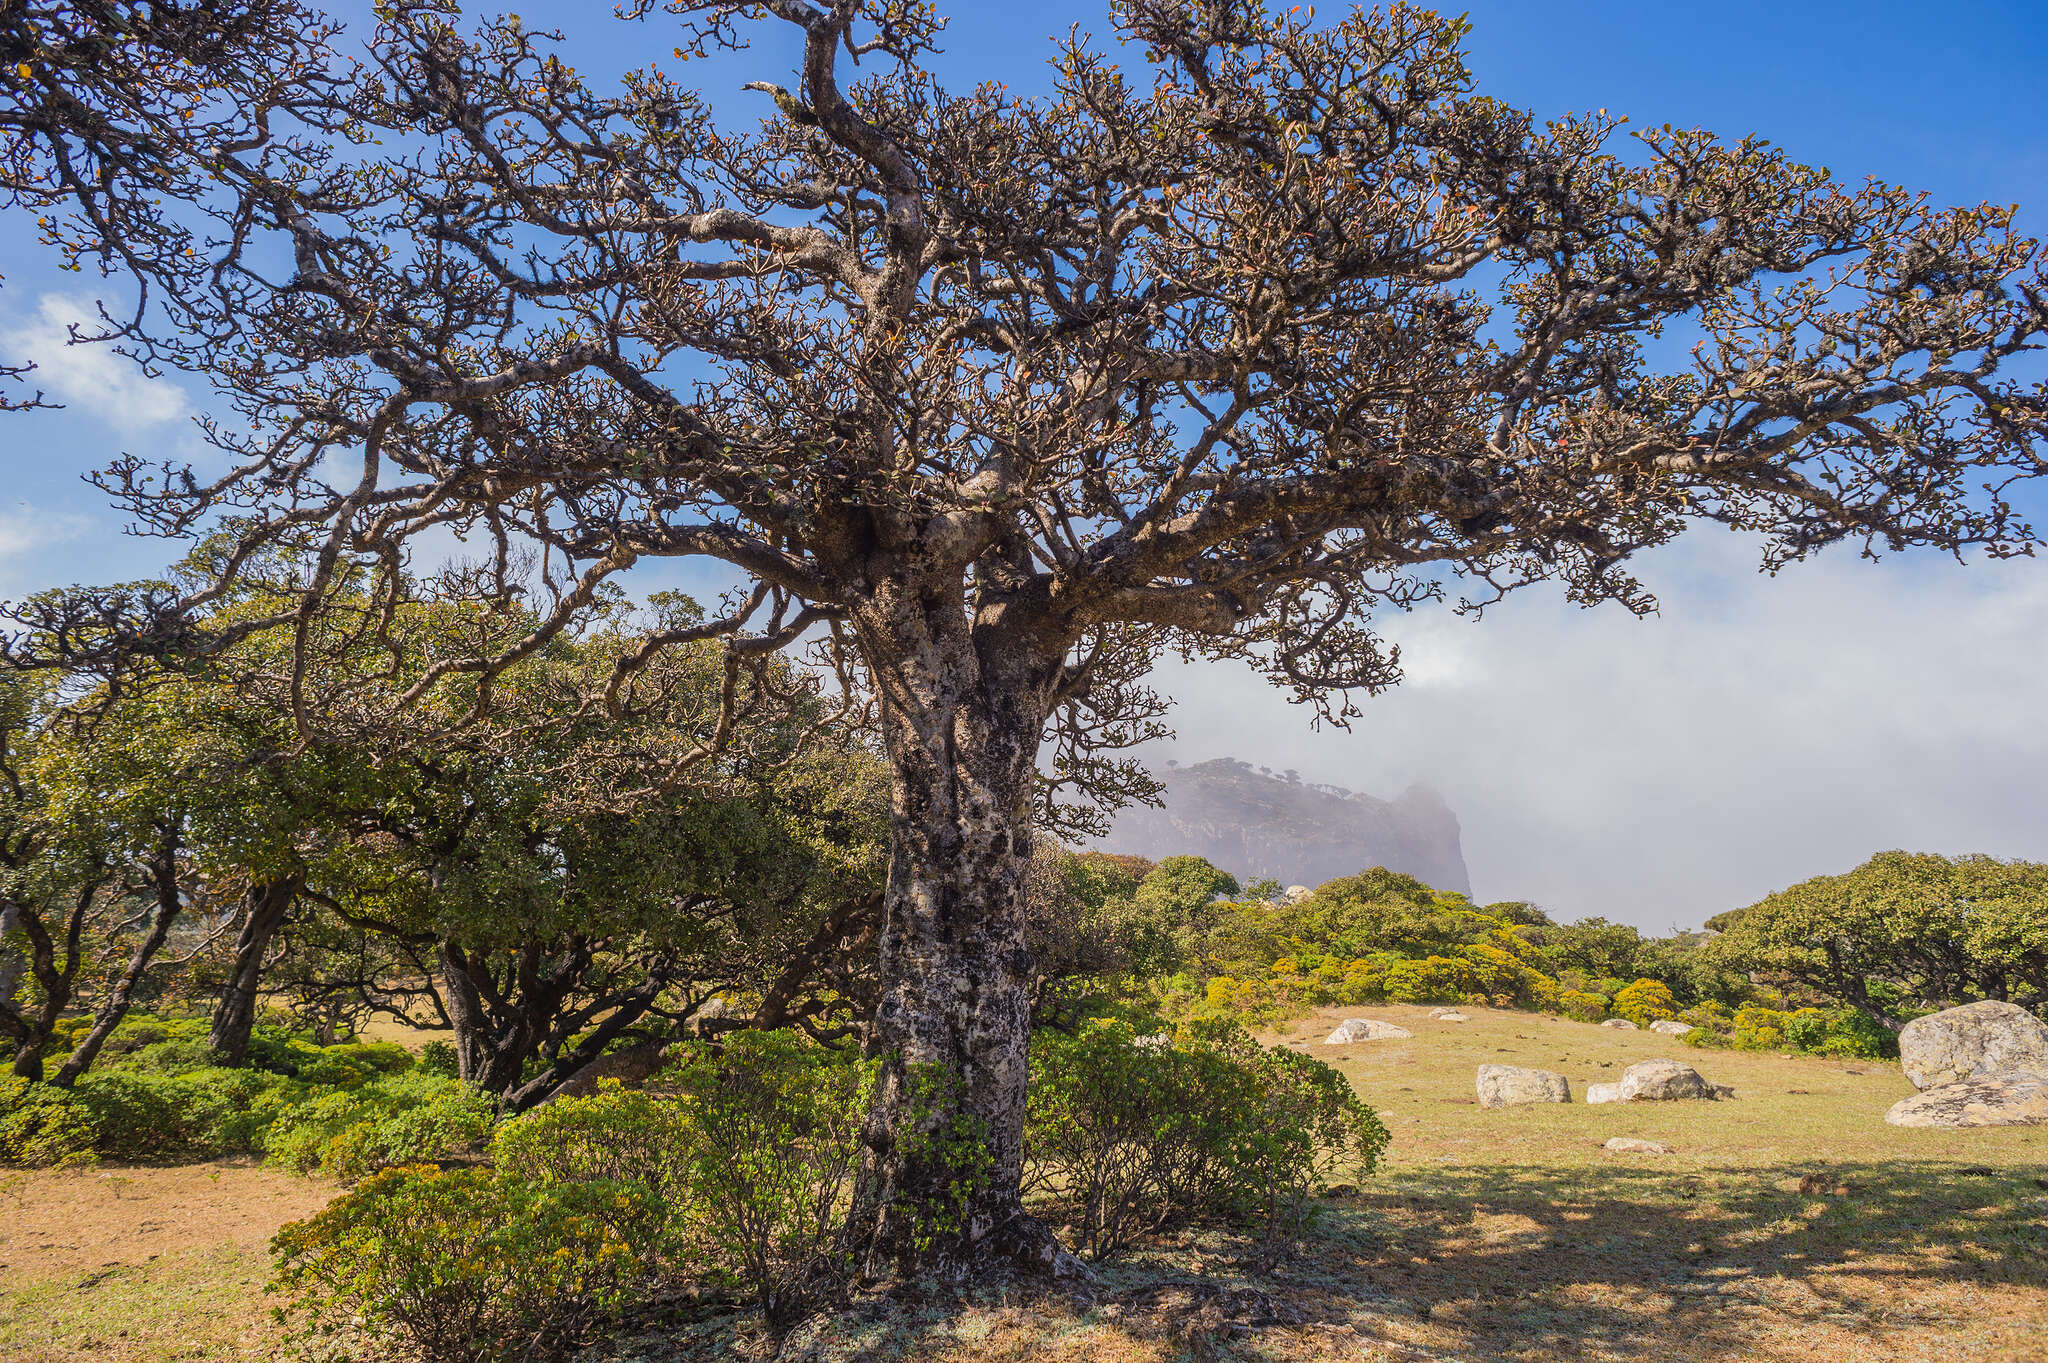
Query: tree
x=1000, y=397
x=1903, y=933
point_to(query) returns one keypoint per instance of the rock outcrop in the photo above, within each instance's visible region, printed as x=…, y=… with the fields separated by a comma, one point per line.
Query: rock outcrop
x=1621, y=1025
x=1669, y=1027
x=1667, y=1081
x=1603, y=1093
x=1259, y=825
x=1975, y=1041
x=1994, y=1100
x=1365, y=1029
x=1514, y=1085
x=1447, y=1015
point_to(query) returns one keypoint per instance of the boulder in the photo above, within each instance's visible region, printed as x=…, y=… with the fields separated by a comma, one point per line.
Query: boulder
x=1621, y=1025
x=1669, y=1027
x=1667, y=1081
x=1365, y=1029
x=1603, y=1093
x=1446, y=1015
x=1514, y=1085
x=1975, y=1041
x=2016, y=1099
x=1629, y=1145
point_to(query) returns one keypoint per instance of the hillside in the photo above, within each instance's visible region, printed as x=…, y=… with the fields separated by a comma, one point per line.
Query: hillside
x=1258, y=825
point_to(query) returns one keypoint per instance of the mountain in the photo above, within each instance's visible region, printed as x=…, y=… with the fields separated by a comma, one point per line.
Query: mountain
x=1258, y=825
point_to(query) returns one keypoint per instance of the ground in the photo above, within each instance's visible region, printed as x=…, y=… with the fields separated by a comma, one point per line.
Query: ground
x=1791, y=1224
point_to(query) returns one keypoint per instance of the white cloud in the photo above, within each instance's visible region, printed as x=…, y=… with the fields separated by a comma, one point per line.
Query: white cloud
x=1757, y=732
x=89, y=376
x=25, y=531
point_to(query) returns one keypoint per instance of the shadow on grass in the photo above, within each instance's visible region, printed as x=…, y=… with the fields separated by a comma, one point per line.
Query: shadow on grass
x=1621, y=1260
x=1611, y=1261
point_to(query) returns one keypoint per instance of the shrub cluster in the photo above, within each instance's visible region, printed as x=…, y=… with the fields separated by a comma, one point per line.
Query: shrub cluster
x=1846, y=1032
x=1132, y=1137
x=464, y=1265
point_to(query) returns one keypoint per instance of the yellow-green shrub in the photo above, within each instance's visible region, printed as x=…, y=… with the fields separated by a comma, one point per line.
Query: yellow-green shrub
x=463, y=1266
x=1645, y=1002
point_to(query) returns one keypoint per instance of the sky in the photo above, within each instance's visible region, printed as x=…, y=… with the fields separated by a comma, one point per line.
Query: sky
x=1755, y=732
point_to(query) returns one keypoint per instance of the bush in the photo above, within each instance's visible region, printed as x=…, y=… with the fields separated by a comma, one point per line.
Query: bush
x=44, y=1126
x=1136, y=1139
x=615, y=1135
x=776, y=1143
x=1645, y=1002
x=463, y=1266
x=395, y=1119
x=438, y=1057
x=1582, y=1005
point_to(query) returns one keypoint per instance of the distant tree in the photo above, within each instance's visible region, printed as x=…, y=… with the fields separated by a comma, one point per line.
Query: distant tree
x=1903, y=933
x=1254, y=326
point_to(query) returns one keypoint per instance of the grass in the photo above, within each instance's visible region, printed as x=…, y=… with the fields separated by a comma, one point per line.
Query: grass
x=141, y=1265
x=1790, y=1224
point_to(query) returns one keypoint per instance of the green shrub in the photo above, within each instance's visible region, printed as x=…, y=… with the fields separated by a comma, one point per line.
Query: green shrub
x=395, y=1119
x=776, y=1122
x=1136, y=1138
x=44, y=1126
x=438, y=1057
x=1582, y=1005
x=462, y=1266
x=615, y=1135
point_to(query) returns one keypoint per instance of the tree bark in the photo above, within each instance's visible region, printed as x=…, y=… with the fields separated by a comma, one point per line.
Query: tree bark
x=963, y=710
x=11, y=960
x=164, y=874
x=235, y=1014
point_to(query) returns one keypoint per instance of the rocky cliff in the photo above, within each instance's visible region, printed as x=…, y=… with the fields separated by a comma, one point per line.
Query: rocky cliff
x=1260, y=825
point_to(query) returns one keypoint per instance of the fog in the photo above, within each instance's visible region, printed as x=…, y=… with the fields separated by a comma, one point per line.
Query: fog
x=1756, y=732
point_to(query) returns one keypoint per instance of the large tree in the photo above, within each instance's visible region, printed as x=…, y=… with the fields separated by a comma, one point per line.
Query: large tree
x=1250, y=329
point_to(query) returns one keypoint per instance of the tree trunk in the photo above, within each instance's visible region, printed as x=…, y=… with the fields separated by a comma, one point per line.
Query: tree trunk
x=963, y=710
x=11, y=959
x=235, y=1015
x=165, y=875
x=482, y=1057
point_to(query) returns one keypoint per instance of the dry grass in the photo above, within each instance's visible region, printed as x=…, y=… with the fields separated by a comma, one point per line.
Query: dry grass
x=141, y=1265
x=1507, y=1235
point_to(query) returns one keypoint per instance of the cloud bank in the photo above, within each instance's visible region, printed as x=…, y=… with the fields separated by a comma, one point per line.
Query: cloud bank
x=1757, y=732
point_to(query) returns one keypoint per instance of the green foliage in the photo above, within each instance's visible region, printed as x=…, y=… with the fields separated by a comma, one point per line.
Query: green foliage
x=395, y=1119
x=1846, y=1032
x=776, y=1123
x=438, y=1057
x=615, y=1135
x=1135, y=1137
x=463, y=1266
x=44, y=1126
x=1903, y=933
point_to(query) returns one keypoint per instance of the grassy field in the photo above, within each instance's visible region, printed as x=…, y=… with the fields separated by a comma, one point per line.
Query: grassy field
x=1789, y=1224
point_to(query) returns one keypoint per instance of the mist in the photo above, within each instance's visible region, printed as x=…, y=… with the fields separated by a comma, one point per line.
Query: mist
x=1756, y=732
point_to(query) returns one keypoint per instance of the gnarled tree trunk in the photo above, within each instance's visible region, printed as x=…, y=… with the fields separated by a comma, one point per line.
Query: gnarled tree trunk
x=235, y=1014
x=963, y=710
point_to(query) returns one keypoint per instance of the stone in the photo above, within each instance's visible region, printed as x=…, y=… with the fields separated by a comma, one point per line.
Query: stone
x=1974, y=1041
x=1621, y=1025
x=1447, y=1015
x=1667, y=1081
x=1629, y=1145
x=1365, y=1029
x=1294, y=894
x=1603, y=1093
x=1669, y=1027
x=1514, y=1085
x=2014, y=1099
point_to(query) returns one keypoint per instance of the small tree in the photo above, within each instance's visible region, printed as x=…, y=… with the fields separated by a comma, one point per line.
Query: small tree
x=1222, y=351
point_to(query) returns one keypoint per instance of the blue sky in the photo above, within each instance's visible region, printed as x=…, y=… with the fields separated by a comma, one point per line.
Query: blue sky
x=1756, y=732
